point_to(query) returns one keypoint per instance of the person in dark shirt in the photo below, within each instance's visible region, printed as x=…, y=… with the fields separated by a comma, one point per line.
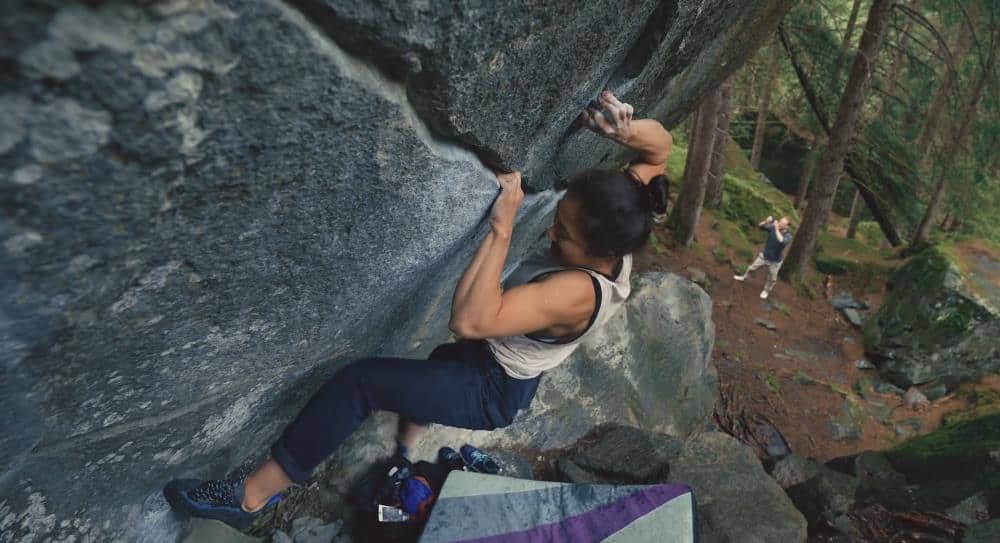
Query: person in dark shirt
x=778, y=237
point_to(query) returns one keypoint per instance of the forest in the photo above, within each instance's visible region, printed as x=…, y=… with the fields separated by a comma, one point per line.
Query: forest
x=883, y=112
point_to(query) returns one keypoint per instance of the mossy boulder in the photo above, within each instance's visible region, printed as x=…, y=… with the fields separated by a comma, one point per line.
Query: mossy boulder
x=940, y=317
x=933, y=472
x=952, y=462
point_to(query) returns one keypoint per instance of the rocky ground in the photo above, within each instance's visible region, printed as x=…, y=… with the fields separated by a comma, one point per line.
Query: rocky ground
x=795, y=360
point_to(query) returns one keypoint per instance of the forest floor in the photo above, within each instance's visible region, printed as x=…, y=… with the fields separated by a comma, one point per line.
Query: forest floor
x=803, y=375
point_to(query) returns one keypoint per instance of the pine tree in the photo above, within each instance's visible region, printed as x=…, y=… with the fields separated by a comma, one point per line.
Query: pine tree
x=763, y=110
x=686, y=212
x=831, y=165
x=714, y=189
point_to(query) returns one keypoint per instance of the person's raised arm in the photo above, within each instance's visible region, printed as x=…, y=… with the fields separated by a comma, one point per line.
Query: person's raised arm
x=646, y=136
x=765, y=222
x=478, y=292
x=480, y=308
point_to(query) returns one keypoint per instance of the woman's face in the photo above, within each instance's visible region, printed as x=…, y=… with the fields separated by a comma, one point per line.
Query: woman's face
x=567, y=240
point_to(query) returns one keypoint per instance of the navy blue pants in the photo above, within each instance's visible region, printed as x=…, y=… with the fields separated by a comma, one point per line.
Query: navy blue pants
x=460, y=385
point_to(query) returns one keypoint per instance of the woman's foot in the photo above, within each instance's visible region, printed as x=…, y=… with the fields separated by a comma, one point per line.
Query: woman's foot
x=219, y=499
x=478, y=461
x=450, y=459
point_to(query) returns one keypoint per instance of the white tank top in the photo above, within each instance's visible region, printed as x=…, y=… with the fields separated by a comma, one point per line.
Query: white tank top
x=527, y=356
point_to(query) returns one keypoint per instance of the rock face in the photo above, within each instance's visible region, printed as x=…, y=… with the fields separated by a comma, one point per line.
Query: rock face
x=940, y=319
x=736, y=499
x=210, y=206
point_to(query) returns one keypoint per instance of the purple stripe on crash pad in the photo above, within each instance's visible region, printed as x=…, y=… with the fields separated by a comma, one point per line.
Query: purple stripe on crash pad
x=593, y=525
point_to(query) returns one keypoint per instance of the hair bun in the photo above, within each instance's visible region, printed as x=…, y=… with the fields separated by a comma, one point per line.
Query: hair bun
x=657, y=192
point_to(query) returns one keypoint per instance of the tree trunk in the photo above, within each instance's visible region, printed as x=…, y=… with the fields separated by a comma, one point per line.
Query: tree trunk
x=947, y=221
x=831, y=165
x=849, y=33
x=852, y=223
x=717, y=170
x=692, y=124
x=924, y=230
x=897, y=60
x=954, y=147
x=845, y=45
x=763, y=109
x=699, y=159
x=807, y=173
x=940, y=100
x=874, y=205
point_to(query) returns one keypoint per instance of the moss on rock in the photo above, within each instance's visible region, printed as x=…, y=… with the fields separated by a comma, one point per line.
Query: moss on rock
x=957, y=451
x=932, y=324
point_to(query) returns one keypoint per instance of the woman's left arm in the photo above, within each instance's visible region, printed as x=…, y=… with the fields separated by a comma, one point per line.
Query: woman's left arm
x=646, y=136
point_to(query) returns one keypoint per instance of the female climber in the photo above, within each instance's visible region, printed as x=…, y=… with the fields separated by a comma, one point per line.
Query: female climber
x=508, y=337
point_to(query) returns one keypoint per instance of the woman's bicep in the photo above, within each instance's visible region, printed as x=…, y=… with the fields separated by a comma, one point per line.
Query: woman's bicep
x=539, y=305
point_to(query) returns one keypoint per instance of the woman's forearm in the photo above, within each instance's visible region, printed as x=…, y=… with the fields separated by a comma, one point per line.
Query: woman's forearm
x=477, y=296
x=651, y=140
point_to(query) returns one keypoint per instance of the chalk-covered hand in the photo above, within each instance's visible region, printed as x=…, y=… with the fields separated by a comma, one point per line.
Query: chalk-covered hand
x=613, y=121
x=505, y=207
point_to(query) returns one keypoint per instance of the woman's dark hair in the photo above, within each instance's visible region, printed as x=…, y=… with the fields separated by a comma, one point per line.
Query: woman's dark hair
x=616, y=211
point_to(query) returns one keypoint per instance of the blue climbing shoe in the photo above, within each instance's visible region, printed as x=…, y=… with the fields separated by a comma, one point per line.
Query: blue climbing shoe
x=478, y=461
x=450, y=459
x=218, y=499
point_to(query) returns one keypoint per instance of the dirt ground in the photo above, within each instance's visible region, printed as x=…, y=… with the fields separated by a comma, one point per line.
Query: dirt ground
x=803, y=375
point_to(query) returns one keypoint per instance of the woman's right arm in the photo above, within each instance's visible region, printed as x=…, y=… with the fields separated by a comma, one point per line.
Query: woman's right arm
x=646, y=136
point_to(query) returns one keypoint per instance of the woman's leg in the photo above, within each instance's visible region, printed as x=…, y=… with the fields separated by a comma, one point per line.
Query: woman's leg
x=266, y=481
x=443, y=391
x=410, y=430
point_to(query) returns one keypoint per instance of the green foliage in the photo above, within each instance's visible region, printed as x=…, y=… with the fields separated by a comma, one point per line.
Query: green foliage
x=655, y=243
x=747, y=201
x=836, y=255
x=870, y=234
x=720, y=255
x=883, y=154
x=675, y=165
x=732, y=238
x=772, y=383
